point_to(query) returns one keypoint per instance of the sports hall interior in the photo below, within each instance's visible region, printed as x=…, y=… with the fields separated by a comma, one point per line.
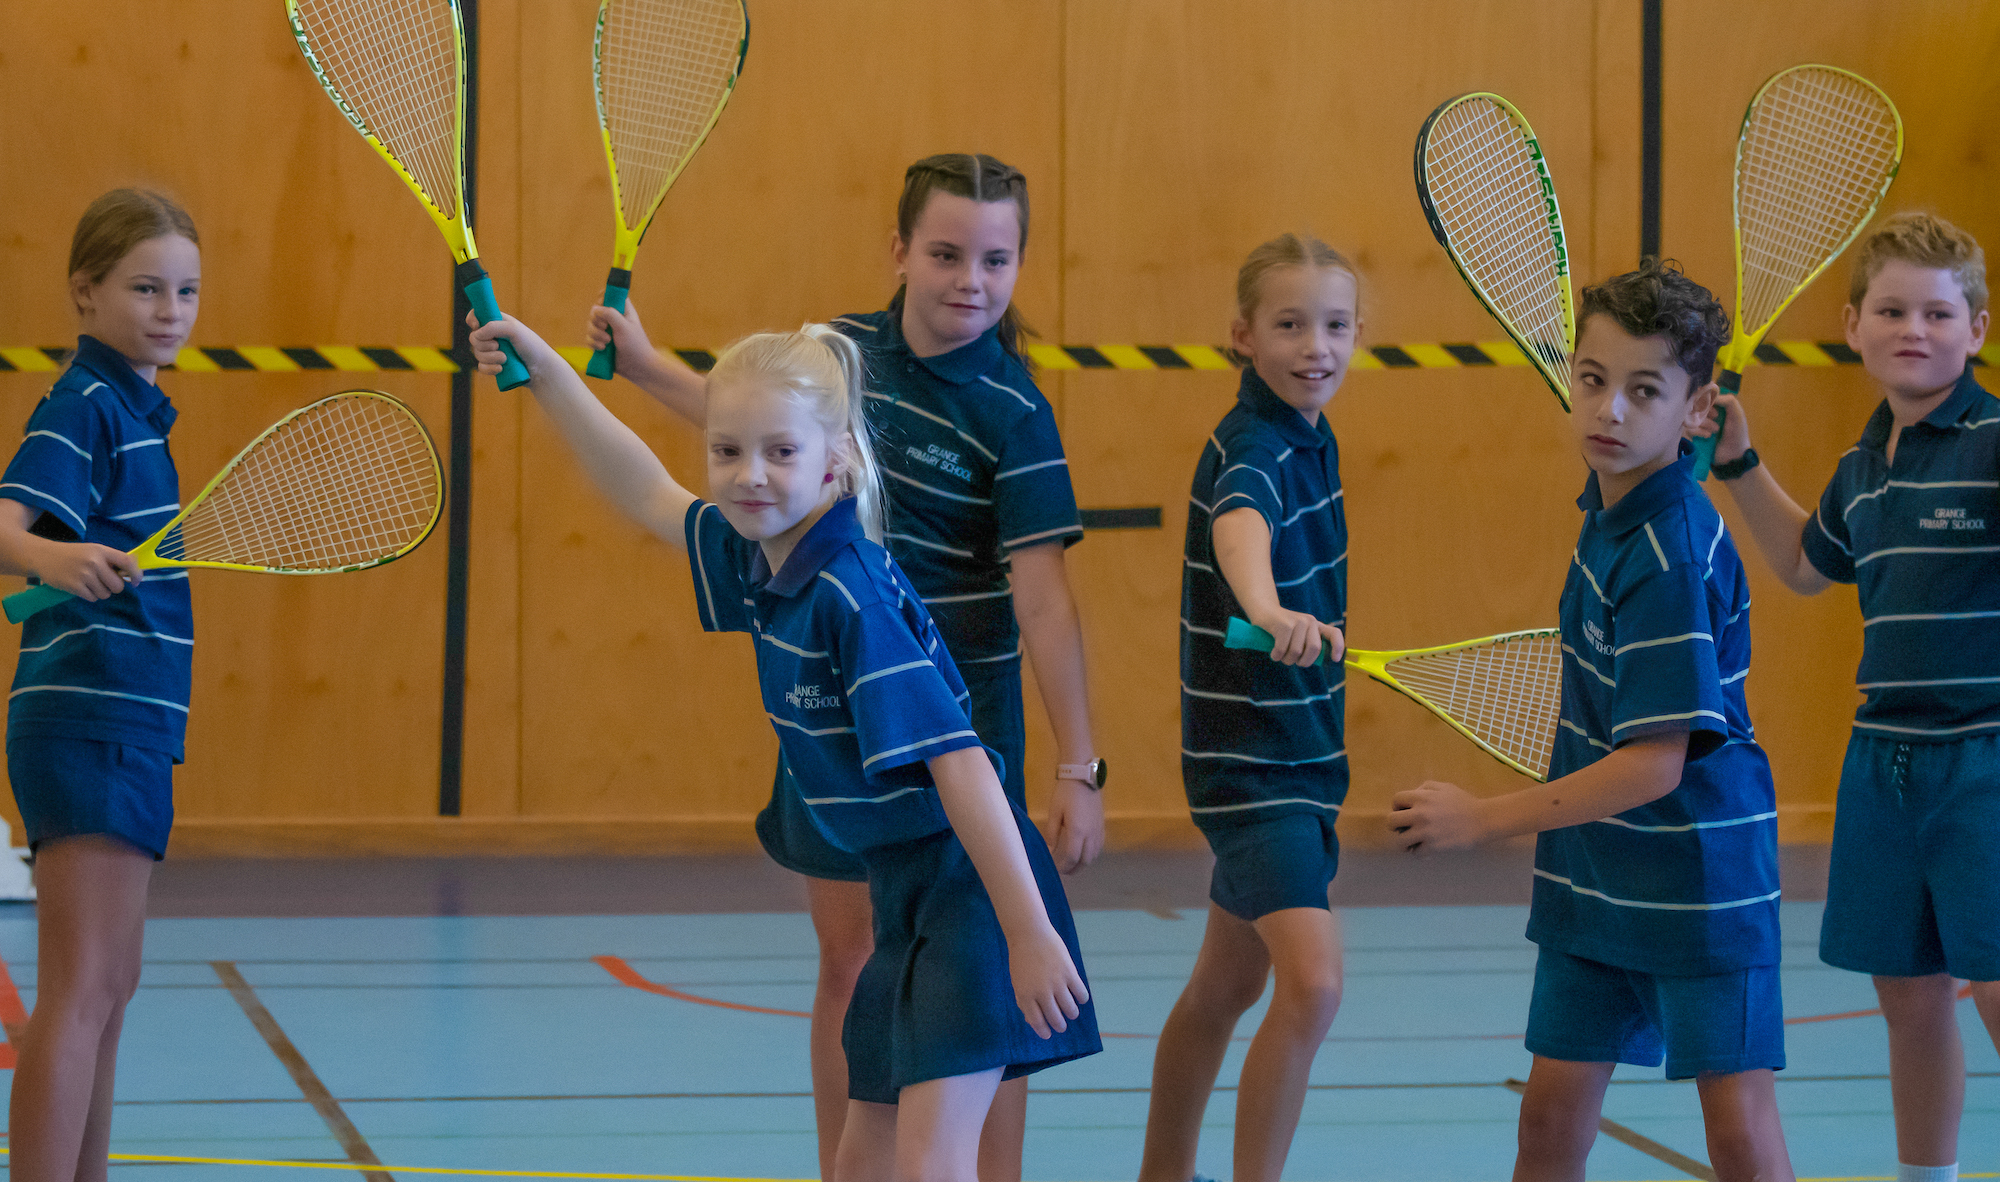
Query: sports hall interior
x=613, y=754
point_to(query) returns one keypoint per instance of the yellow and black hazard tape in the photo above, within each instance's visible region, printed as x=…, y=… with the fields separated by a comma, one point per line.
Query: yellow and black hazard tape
x=1054, y=358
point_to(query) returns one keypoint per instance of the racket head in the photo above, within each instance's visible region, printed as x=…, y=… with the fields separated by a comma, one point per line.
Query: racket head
x=1818, y=150
x=1502, y=692
x=663, y=71
x=1491, y=203
x=346, y=483
x=396, y=70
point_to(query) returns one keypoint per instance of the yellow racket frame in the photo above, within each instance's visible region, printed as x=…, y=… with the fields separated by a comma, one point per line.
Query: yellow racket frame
x=1558, y=382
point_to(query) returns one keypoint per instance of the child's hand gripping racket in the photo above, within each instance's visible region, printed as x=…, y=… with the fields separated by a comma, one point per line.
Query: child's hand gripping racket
x=1503, y=692
x=349, y=482
x=1818, y=151
x=663, y=69
x=396, y=70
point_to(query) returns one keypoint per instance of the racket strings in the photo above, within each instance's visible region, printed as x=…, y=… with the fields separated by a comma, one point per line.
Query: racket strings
x=1507, y=692
x=1819, y=149
x=1487, y=192
x=664, y=68
x=351, y=481
x=392, y=66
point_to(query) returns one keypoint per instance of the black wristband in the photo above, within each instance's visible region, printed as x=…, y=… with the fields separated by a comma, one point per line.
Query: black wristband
x=1736, y=467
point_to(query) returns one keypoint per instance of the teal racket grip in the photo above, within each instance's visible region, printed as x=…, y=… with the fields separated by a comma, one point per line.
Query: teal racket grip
x=617, y=289
x=479, y=293
x=1244, y=634
x=22, y=604
x=1704, y=448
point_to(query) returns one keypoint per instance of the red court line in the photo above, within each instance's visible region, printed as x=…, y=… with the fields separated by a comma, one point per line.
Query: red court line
x=13, y=1015
x=627, y=975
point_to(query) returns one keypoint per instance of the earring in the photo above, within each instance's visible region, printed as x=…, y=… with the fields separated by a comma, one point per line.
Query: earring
x=829, y=479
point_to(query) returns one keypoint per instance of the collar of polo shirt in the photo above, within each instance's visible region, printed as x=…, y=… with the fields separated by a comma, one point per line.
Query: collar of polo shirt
x=142, y=398
x=1671, y=483
x=1942, y=416
x=960, y=365
x=836, y=528
x=1256, y=394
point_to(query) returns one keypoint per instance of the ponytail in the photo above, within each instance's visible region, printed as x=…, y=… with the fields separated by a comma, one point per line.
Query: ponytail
x=862, y=478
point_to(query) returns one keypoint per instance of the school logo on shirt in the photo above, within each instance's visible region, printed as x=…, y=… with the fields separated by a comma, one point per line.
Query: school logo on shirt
x=1596, y=637
x=941, y=459
x=809, y=697
x=1950, y=519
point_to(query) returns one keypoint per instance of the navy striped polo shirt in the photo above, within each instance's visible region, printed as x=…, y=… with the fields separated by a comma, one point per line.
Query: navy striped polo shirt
x=1656, y=640
x=1260, y=739
x=855, y=678
x=95, y=463
x=974, y=469
x=1921, y=540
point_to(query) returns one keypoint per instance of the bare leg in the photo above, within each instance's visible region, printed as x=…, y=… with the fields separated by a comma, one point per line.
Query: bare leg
x=1926, y=1066
x=1228, y=979
x=937, y=1127
x=90, y=923
x=1986, y=995
x=1559, y=1119
x=1006, y=1131
x=1304, y=944
x=1745, y=1141
x=867, y=1143
x=843, y=921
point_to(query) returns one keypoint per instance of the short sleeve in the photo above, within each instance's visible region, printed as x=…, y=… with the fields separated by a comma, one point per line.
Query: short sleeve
x=904, y=712
x=1249, y=481
x=1033, y=500
x=1664, y=663
x=64, y=461
x=1827, y=544
x=721, y=560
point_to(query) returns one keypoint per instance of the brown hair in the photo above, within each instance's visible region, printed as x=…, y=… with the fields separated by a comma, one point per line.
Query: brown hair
x=1922, y=240
x=119, y=221
x=1286, y=250
x=982, y=178
x=1659, y=300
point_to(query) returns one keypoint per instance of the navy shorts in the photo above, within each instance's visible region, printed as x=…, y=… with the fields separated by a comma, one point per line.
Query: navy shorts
x=1914, y=887
x=1588, y=1012
x=935, y=1000
x=79, y=787
x=786, y=829
x=1266, y=866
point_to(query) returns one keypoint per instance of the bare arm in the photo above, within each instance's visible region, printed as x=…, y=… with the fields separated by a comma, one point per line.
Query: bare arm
x=1438, y=816
x=1776, y=522
x=1243, y=554
x=670, y=381
x=624, y=469
x=84, y=569
x=1046, y=984
x=1053, y=636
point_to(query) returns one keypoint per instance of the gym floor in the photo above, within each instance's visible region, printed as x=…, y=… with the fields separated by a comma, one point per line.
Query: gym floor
x=645, y=1017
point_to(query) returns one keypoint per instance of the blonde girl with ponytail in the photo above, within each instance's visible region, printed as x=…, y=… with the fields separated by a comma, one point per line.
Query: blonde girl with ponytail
x=975, y=974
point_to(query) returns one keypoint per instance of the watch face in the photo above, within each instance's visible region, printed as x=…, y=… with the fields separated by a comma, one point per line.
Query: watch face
x=1098, y=770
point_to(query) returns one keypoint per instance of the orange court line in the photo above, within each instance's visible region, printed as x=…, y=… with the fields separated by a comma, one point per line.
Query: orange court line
x=13, y=1016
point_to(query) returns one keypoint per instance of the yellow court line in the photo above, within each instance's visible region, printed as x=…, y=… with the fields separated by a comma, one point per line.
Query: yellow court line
x=365, y=1167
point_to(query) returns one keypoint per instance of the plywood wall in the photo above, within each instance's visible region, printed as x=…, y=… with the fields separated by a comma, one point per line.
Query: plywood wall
x=1163, y=139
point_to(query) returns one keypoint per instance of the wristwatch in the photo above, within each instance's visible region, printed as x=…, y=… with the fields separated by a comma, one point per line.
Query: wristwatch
x=1091, y=773
x=1736, y=467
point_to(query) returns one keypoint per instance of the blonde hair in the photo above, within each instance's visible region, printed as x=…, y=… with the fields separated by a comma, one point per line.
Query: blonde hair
x=1922, y=240
x=822, y=371
x=1286, y=250
x=119, y=221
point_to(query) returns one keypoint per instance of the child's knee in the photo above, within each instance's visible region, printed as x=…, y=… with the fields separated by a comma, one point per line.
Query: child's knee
x=1314, y=992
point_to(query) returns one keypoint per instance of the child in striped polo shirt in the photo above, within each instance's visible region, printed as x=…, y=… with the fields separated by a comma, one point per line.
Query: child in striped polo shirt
x=1911, y=516
x=1656, y=869
x=975, y=975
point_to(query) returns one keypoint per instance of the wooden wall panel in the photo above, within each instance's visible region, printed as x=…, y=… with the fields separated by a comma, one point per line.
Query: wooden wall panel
x=1163, y=139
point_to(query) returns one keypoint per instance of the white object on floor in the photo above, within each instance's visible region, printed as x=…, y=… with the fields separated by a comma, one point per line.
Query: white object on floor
x=17, y=883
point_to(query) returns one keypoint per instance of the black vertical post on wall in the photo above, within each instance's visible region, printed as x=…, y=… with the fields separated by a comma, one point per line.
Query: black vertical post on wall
x=1649, y=130
x=458, y=497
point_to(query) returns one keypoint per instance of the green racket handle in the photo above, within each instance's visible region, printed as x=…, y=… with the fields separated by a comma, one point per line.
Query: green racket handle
x=478, y=290
x=22, y=604
x=1244, y=634
x=617, y=289
x=1704, y=448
